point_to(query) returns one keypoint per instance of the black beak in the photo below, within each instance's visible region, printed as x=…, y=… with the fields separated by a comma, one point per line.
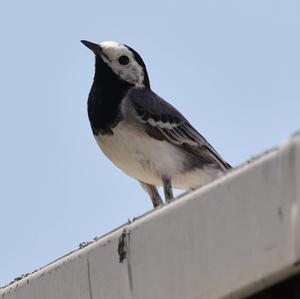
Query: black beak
x=94, y=47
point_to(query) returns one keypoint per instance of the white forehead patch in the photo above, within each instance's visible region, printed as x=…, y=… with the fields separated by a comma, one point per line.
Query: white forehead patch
x=132, y=72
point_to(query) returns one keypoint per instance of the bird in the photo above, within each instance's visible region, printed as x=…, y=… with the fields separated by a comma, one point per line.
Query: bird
x=141, y=133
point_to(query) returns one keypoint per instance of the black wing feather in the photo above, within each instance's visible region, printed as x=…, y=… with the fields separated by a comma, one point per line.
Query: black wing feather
x=163, y=122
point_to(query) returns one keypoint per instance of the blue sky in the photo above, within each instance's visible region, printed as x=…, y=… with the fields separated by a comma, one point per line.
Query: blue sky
x=231, y=67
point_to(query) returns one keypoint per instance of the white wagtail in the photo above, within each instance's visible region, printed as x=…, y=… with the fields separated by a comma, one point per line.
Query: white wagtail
x=140, y=132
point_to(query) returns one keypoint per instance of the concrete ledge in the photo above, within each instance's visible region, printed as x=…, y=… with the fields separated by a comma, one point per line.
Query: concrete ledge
x=229, y=239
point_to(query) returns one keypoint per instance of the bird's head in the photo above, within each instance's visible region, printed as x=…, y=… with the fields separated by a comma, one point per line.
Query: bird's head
x=116, y=59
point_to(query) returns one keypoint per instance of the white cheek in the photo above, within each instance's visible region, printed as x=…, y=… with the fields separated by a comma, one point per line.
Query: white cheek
x=132, y=74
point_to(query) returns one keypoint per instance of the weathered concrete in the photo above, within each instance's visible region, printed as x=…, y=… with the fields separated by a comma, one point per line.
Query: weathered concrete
x=229, y=239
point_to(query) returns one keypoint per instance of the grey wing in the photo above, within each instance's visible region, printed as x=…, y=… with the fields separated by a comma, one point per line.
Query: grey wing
x=163, y=122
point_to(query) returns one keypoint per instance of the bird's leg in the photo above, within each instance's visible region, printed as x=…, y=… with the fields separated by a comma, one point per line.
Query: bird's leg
x=153, y=193
x=167, y=188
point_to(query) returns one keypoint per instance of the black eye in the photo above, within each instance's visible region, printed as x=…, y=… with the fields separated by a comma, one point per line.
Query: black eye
x=124, y=60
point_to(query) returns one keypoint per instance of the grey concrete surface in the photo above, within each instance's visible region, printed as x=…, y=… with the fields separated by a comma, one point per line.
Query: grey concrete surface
x=228, y=239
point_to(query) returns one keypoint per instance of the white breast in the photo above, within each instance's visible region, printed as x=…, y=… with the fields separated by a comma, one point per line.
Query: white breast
x=140, y=156
x=147, y=159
